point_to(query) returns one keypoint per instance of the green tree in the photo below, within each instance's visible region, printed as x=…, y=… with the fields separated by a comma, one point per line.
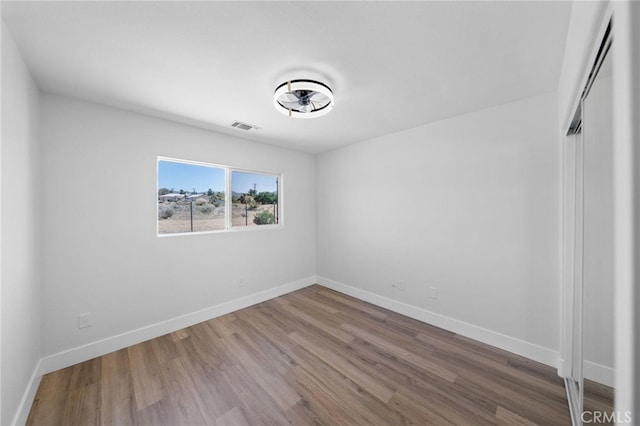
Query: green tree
x=249, y=200
x=216, y=198
x=267, y=197
x=163, y=191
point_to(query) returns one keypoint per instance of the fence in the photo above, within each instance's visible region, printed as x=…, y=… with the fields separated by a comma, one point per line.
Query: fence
x=189, y=216
x=245, y=215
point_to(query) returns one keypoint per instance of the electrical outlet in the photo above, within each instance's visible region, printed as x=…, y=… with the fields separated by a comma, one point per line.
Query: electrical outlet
x=241, y=282
x=84, y=320
x=433, y=293
x=402, y=285
x=399, y=285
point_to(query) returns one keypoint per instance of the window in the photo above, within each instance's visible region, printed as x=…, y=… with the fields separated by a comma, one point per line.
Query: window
x=201, y=197
x=255, y=199
x=191, y=197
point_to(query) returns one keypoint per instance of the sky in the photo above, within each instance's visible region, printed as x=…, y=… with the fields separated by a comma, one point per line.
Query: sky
x=243, y=182
x=176, y=175
x=185, y=176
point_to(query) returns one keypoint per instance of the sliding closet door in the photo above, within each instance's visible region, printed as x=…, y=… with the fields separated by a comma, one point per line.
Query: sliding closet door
x=573, y=214
x=598, y=219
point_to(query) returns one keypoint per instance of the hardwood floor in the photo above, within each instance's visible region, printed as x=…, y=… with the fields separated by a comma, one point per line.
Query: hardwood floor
x=310, y=357
x=598, y=398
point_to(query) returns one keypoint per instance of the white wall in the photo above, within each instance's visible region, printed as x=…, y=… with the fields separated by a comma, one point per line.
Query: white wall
x=469, y=205
x=101, y=253
x=20, y=228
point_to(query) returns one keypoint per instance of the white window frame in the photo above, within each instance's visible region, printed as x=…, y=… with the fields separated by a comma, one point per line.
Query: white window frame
x=228, y=198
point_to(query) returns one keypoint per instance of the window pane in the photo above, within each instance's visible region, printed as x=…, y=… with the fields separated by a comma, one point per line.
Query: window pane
x=255, y=199
x=190, y=197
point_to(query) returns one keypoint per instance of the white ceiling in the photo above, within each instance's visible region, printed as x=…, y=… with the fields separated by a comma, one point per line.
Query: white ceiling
x=391, y=65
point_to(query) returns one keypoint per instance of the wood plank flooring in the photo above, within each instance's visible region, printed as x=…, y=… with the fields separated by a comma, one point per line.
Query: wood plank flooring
x=311, y=357
x=598, y=398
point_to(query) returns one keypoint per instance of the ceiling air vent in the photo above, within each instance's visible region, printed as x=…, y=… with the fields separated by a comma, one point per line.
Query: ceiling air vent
x=244, y=126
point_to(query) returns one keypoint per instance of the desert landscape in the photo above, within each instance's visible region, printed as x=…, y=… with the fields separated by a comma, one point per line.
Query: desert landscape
x=176, y=216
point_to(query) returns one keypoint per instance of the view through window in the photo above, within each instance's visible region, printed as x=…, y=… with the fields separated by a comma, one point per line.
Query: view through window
x=255, y=199
x=195, y=197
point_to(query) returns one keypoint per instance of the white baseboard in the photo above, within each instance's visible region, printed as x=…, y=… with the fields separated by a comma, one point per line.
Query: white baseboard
x=28, y=396
x=529, y=350
x=564, y=370
x=591, y=370
x=101, y=347
x=599, y=373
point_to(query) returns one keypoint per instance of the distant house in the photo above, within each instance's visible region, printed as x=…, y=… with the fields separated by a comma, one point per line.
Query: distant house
x=172, y=197
x=194, y=197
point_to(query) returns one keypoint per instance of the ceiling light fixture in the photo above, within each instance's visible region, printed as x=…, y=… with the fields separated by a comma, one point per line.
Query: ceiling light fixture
x=303, y=98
